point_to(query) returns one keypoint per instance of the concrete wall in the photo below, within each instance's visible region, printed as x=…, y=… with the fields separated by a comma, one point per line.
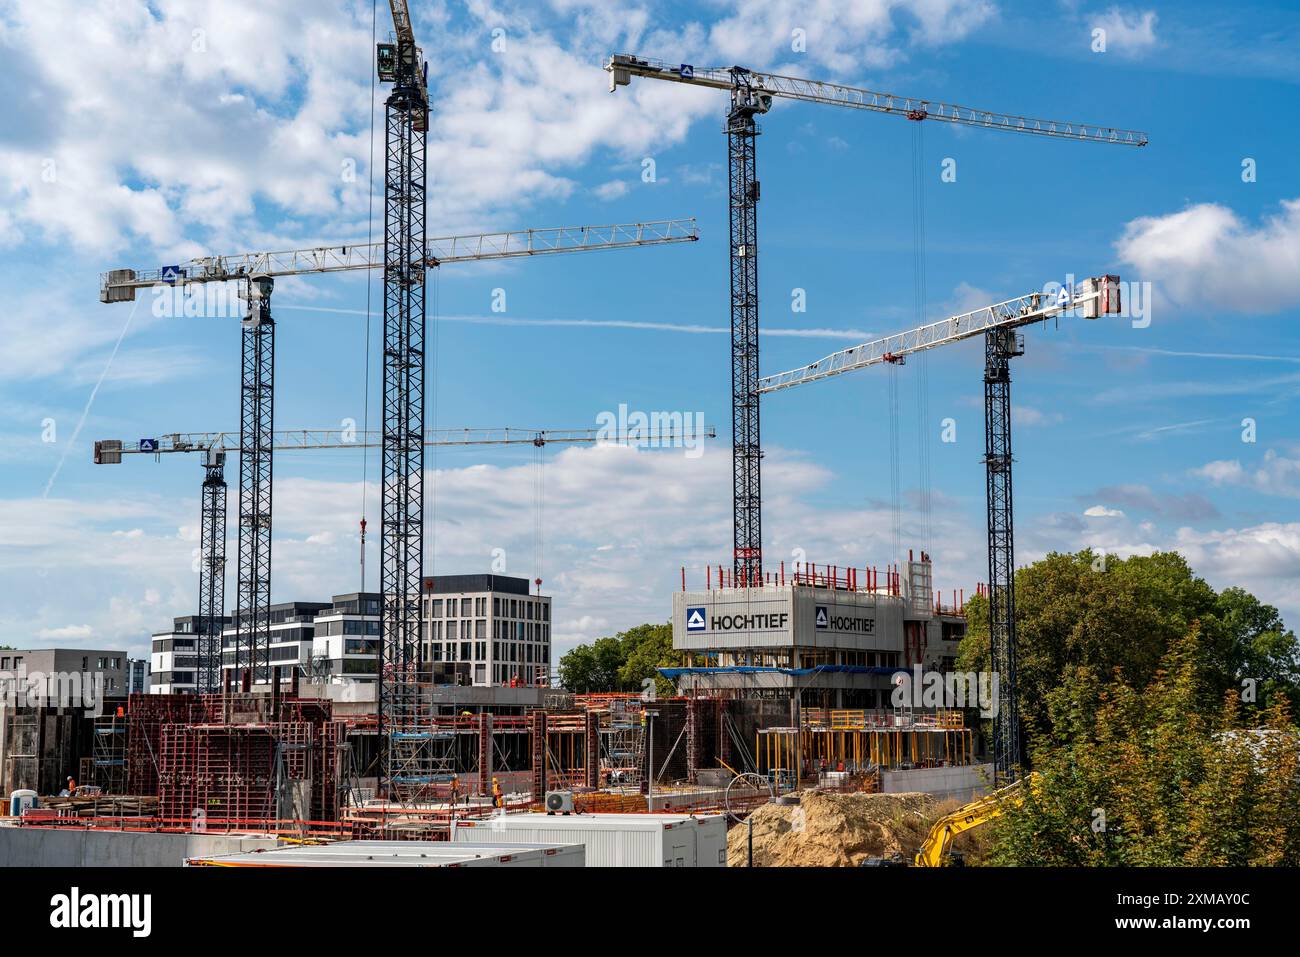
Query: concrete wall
x=960, y=783
x=51, y=847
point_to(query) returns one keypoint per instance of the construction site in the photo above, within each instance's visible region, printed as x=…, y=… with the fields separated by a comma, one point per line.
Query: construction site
x=258, y=746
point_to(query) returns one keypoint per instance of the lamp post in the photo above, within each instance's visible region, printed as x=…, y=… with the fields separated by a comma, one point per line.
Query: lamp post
x=749, y=818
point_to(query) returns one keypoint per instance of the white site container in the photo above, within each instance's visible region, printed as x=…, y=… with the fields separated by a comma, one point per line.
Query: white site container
x=613, y=840
x=405, y=854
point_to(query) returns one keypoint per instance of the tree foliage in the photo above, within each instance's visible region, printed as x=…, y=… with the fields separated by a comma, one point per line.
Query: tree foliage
x=1085, y=617
x=622, y=662
x=1148, y=776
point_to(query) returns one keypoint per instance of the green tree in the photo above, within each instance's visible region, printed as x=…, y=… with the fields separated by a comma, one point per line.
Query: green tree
x=622, y=662
x=1149, y=776
x=1084, y=614
x=592, y=668
x=648, y=648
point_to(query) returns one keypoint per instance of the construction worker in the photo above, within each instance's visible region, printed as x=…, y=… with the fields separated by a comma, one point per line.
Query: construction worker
x=72, y=787
x=498, y=798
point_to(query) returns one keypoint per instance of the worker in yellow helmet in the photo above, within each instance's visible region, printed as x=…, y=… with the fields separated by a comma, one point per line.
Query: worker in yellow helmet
x=498, y=798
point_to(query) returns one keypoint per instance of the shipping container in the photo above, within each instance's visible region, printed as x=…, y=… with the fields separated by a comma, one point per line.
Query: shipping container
x=613, y=840
x=405, y=854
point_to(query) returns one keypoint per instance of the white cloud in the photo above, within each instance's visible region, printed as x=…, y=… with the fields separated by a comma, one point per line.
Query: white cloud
x=1205, y=257
x=611, y=190
x=1101, y=511
x=1029, y=416
x=842, y=37
x=186, y=119
x=1264, y=558
x=1275, y=475
x=65, y=633
x=126, y=564
x=1128, y=32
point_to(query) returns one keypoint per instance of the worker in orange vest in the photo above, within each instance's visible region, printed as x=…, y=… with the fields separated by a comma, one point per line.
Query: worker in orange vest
x=498, y=799
x=72, y=787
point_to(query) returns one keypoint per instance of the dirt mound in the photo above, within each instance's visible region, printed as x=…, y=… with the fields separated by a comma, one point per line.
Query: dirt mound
x=833, y=830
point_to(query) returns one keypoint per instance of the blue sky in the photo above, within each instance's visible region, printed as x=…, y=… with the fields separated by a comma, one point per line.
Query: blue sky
x=220, y=127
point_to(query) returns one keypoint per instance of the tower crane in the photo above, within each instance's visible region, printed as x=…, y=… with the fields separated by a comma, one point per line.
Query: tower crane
x=752, y=93
x=213, y=448
x=257, y=272
x=1091, y=298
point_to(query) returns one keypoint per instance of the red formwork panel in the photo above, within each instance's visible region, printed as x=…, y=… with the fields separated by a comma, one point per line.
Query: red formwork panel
x=148, y=714
x=229, y=772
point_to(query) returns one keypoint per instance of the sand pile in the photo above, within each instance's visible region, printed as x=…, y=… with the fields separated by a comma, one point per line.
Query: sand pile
x=834, y=830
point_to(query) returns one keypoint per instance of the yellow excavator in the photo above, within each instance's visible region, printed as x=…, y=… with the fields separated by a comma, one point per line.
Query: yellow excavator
x=934, y=851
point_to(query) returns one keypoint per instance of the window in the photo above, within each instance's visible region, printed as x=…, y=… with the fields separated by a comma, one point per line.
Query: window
x=465, y=608
x=480, y=628
x=496, y=605
x=4, y=663
x=480, y=650
x=435, y=651
x=437, y=608
x=465, y=651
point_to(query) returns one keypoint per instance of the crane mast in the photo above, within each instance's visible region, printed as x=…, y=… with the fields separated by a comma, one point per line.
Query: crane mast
x=212, y=570
x=746, y=474
x=402, y=715
x=257, y=420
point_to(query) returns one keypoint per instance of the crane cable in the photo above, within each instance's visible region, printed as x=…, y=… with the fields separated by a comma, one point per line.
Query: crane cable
x=896, y=511
x=539, y=503
x=370, y=238
x=922, y=383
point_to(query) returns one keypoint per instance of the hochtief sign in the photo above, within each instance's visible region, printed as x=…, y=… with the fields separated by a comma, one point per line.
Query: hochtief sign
x=825, y=620
x=752, y=622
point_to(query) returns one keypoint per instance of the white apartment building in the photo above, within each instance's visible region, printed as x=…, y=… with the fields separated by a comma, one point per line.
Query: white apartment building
x=490, y=625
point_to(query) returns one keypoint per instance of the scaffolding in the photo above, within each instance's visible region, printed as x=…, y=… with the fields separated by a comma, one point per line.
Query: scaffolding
x=864, y=741
x=621, y=735
x=108, y=755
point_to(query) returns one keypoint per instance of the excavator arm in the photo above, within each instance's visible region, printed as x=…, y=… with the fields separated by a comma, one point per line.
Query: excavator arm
x=934, y=850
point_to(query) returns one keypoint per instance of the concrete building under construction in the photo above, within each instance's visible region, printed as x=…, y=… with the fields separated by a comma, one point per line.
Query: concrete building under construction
x=825, y=636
